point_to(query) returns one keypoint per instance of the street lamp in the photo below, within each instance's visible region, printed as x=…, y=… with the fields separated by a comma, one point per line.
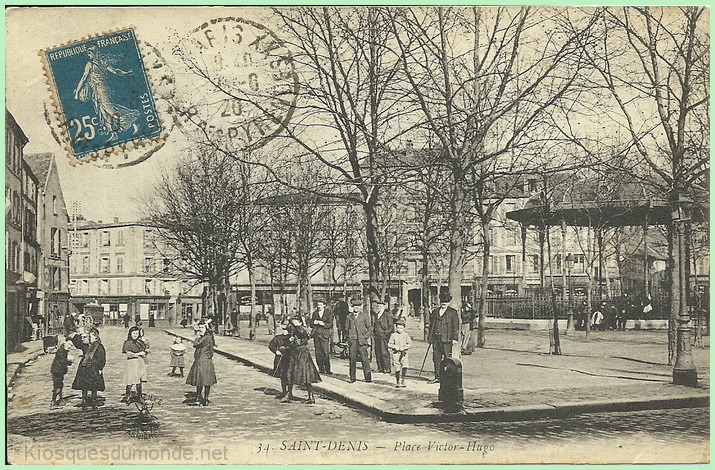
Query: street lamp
x=568, y=263
x=684, y=372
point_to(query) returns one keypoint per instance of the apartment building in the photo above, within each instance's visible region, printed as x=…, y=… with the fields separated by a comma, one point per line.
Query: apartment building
x=124, y=267
x=21, y=246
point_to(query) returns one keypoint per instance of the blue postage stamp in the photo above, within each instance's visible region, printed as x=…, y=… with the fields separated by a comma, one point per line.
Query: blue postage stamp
x=102, y=93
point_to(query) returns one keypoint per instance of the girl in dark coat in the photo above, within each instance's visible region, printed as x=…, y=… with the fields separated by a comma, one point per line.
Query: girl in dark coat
x=280, y=346
x=202, y=373
x=301, y=368
x=89, y=372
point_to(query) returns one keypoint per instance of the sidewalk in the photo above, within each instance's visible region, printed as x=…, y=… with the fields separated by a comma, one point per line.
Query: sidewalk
x=513, y=378
x=14, y=361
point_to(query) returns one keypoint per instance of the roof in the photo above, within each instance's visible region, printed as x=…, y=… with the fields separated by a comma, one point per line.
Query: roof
x=40, y=164
x=10, y=121
x=614, y=213
x=91, y=225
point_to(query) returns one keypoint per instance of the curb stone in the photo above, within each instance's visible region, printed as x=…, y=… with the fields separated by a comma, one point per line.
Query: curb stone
x=334, y=389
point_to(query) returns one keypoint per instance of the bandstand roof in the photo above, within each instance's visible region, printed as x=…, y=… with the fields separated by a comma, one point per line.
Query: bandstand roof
x=615, y=213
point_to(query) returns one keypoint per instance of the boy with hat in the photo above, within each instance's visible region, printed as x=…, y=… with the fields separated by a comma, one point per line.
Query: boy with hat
x=398, y=345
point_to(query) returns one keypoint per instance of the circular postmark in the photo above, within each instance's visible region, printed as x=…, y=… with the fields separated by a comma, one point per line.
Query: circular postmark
x=238, y=84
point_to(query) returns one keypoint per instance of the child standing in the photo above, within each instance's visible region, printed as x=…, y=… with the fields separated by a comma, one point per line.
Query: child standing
x=280, y=346
x=135, y=371
x=177, y=357
x=398, y=345
x=58, y=370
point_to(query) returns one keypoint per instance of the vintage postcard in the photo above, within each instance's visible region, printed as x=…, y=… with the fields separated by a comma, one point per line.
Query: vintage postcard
x=357, y=235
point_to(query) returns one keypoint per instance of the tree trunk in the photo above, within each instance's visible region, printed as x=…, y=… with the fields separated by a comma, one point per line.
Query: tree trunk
x=252, y=314
x=674, y=293
x=556, y=341
x=373, y=253
x=589, y=291
x=424, y=308
x=456, y=248
x=482, y=322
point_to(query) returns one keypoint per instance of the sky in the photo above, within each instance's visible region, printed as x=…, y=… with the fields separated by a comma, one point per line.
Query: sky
x=103, y=193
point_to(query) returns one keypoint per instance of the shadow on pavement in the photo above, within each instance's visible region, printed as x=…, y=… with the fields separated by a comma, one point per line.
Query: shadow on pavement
x=49, y=425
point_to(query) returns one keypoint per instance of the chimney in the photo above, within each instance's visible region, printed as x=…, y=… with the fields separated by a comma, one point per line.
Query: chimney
x=116, y=220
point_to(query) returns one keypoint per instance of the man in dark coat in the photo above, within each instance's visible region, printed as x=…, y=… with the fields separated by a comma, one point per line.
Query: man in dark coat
x=322, y=323
x=359, y=333
x=341, y=312
x=444, y=333
x=382, y=329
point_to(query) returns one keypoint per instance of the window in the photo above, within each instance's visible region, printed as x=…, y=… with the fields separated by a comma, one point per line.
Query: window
x=54, y=205
x=147, y=286
x=492, y=265
x=148, y=265
x=120, y=264
x=85, y=240
x=535, y=263
x=148, y=239
x=104, y=286
x=120, y=237
x=167, y=265
x=579, y=263
x=54, y=246
x=84, y=287
x=104, y=264
x=119, y=286
x=510, y=263
x=56, y=278
x=85, y=264
x=558, y=262
x=104, y=238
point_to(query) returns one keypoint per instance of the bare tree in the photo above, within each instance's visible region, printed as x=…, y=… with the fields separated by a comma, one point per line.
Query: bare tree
x=197, y=207
x=484, y=79
x=654, y=65
x=347, y=114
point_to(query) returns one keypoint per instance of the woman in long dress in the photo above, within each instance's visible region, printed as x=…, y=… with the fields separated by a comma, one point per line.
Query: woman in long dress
x=93, y=86
x=135, y=371
x=202, y=374
x=301, y=368
x=89, y=376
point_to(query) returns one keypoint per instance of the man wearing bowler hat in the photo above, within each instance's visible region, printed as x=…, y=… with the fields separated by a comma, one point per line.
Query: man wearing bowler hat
x=444, y=333
x=382, y=329
x=359, y=332
x=322, y=323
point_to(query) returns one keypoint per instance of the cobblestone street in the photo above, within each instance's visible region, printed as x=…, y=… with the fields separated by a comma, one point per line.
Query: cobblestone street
x=246, y=424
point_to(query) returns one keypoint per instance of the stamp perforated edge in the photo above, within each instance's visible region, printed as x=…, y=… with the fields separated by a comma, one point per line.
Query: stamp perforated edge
x=144, y=143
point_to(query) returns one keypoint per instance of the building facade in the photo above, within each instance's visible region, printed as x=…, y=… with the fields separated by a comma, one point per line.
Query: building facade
x=21, y=245
x=52, y=222
x=123, y=267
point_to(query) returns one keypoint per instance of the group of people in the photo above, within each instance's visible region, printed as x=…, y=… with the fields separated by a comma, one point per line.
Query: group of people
x=89, y=377
x=387, y=338
x=613, y=315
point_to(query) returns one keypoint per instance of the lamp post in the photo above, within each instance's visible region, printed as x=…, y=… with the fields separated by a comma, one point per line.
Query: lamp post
x=568, y=263
x=684, y=372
